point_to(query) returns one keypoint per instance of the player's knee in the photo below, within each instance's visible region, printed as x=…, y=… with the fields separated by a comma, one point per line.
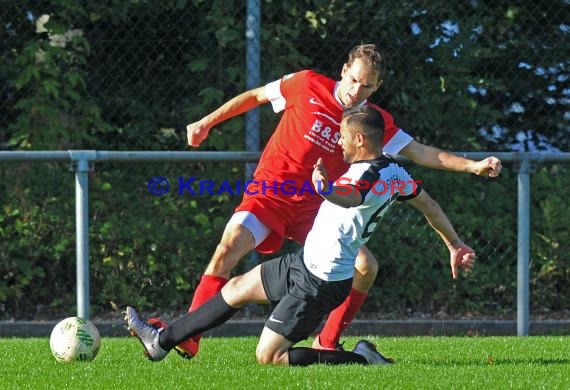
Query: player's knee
x=268, y=355
x=231, y=287
x=266, y=359
x=372, y=268
x=263, y=360
x=234, y=290
x=263, y=357
x=367, y=265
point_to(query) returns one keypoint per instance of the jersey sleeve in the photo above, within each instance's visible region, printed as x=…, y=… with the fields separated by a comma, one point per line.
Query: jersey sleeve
x=406, y=185
x=273, y=93
x=397, y=142
x=282, y=92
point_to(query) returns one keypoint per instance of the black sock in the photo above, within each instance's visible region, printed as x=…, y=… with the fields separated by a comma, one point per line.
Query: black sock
x=305, y=356
x=212, y=313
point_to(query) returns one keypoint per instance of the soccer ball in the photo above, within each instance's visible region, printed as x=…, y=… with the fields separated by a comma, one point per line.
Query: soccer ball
x=74, y=339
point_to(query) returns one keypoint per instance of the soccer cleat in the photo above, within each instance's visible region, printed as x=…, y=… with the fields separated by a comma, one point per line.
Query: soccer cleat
x=148, y=335
x=186, y=349
x=317, y=345
x=368, y=350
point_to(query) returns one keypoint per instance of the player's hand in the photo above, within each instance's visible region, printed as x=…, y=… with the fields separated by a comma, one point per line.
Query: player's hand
x=320, y=176
x=461, y=256
x=196, y=133
x=491, y=167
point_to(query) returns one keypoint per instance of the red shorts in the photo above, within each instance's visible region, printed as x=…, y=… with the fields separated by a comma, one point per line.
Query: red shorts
x=286, y=216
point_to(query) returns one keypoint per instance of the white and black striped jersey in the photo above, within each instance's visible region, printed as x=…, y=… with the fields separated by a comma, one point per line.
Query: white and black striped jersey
x=338, y=232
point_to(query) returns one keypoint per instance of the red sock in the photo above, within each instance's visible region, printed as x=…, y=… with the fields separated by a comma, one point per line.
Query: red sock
x=209, y=286
x=340, y=318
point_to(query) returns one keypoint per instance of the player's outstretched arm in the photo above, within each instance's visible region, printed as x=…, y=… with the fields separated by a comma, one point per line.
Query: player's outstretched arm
x=197, y=132
x=460, y=255
x=440, y=159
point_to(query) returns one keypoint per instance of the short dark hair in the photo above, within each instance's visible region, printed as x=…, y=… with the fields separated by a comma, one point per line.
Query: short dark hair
x=369, y=53
x=366, y=120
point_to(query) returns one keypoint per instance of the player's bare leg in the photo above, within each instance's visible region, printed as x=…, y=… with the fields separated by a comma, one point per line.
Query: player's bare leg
x=275, y=349
x=236, y=242
x=366, y=270
x=244, y=289
x=272, y=348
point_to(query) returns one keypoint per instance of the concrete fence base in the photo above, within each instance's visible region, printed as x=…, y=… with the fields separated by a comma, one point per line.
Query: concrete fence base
x=403, y=328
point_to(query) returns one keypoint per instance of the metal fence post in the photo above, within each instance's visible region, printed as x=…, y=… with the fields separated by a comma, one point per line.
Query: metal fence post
x=81, y=165
x=523, y=247
x=253, y=60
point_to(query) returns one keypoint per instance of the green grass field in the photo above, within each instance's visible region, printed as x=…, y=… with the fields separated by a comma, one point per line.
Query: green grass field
x=229, y=363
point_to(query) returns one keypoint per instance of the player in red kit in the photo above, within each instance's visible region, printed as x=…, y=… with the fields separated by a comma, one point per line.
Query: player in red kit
x=312, y=106
x=309, y=128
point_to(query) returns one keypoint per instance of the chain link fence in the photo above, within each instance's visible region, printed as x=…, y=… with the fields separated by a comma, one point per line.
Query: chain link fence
x=470, y=75
x=130, y=75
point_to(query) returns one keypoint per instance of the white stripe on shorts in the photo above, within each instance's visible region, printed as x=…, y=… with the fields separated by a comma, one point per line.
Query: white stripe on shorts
x=245, y=218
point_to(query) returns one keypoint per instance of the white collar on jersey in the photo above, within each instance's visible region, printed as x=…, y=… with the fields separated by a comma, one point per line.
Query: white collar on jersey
x=340, y=101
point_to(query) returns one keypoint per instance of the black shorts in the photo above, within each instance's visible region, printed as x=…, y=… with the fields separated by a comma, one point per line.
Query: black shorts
x=302, y=299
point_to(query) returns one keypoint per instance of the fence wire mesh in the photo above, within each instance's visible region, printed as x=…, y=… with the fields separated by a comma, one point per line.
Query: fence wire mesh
x=472, y=74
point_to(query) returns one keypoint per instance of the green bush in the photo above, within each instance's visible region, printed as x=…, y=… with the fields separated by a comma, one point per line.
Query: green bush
x=129, y=75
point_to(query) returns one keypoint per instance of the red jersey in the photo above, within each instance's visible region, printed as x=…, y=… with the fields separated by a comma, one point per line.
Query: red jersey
x=308, y=129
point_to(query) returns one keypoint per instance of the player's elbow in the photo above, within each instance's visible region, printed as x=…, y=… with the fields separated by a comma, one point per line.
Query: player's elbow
x=425, y=204
x=432, y=208
x=258, y=94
